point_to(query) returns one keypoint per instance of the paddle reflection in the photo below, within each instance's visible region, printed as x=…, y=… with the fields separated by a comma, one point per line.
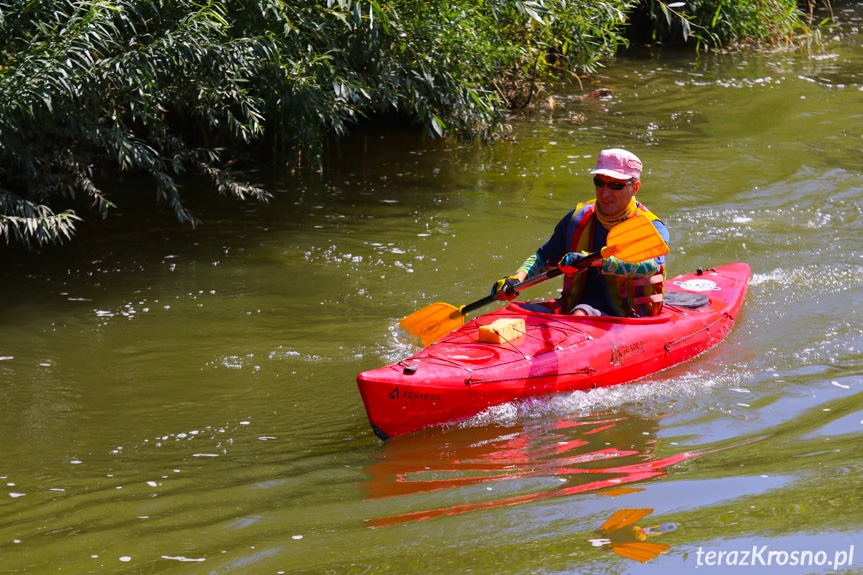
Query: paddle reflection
x=625, y=538
x=582, y=454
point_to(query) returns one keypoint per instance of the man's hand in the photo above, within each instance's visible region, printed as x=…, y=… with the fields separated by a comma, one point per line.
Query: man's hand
x=569, y=263
x=504, y=288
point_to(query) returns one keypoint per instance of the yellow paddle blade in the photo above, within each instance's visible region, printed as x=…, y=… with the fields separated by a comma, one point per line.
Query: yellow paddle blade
x=635, y=240
x=433, y=322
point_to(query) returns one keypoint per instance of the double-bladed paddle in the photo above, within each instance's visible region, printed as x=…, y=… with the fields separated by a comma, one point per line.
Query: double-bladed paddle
x=633, y=240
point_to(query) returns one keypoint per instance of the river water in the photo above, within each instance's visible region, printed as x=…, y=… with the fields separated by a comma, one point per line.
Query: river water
x=184, y=401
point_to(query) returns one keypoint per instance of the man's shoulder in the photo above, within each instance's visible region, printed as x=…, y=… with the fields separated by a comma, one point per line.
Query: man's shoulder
x=645, y=211
x=584, y=208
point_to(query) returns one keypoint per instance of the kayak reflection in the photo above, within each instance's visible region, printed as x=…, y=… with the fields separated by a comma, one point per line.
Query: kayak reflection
x=627, y=539
x=573, y=455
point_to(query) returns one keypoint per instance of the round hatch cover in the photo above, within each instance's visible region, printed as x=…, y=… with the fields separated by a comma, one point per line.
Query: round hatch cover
x=466, y=353
x=698, y=285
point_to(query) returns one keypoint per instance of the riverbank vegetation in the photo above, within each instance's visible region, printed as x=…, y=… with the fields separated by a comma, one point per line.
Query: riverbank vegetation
x=89, y=89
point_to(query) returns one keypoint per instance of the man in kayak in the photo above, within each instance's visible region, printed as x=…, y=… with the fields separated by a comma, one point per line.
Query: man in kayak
x=610, y=286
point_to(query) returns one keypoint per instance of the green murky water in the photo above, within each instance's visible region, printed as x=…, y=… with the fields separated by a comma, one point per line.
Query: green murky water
x=179, y=401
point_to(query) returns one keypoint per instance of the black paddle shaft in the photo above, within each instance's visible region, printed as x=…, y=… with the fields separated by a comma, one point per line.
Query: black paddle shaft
x=583, y=264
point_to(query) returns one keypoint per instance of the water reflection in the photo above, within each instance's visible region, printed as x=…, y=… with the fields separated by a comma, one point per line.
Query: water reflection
x=528, y=463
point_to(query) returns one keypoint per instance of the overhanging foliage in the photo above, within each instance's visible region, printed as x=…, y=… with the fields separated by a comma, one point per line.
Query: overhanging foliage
x=89, y=87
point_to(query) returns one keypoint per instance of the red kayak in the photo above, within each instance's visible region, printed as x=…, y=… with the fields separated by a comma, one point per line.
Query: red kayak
x=466, y=371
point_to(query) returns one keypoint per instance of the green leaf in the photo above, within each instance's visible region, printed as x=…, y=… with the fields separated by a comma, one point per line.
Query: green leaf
x=666, y=12
x=530, y=12
x=716, y=15
x=438, y=126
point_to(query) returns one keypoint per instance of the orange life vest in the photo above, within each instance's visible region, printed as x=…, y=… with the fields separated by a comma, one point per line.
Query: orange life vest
x=628, y=297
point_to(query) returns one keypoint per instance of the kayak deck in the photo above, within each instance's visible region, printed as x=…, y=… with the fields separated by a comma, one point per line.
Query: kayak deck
x=459, y=376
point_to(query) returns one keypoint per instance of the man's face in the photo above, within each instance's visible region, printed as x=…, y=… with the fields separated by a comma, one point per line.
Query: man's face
x=613, y=195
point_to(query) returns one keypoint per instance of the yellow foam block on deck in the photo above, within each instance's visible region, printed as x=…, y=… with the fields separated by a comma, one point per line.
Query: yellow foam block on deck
x=501, y=330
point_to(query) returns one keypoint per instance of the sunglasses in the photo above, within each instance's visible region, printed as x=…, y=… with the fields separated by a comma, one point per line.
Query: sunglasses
x=613, y=186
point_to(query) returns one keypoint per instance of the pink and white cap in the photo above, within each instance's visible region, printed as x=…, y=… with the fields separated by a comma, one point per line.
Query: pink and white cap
x=619, y=164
